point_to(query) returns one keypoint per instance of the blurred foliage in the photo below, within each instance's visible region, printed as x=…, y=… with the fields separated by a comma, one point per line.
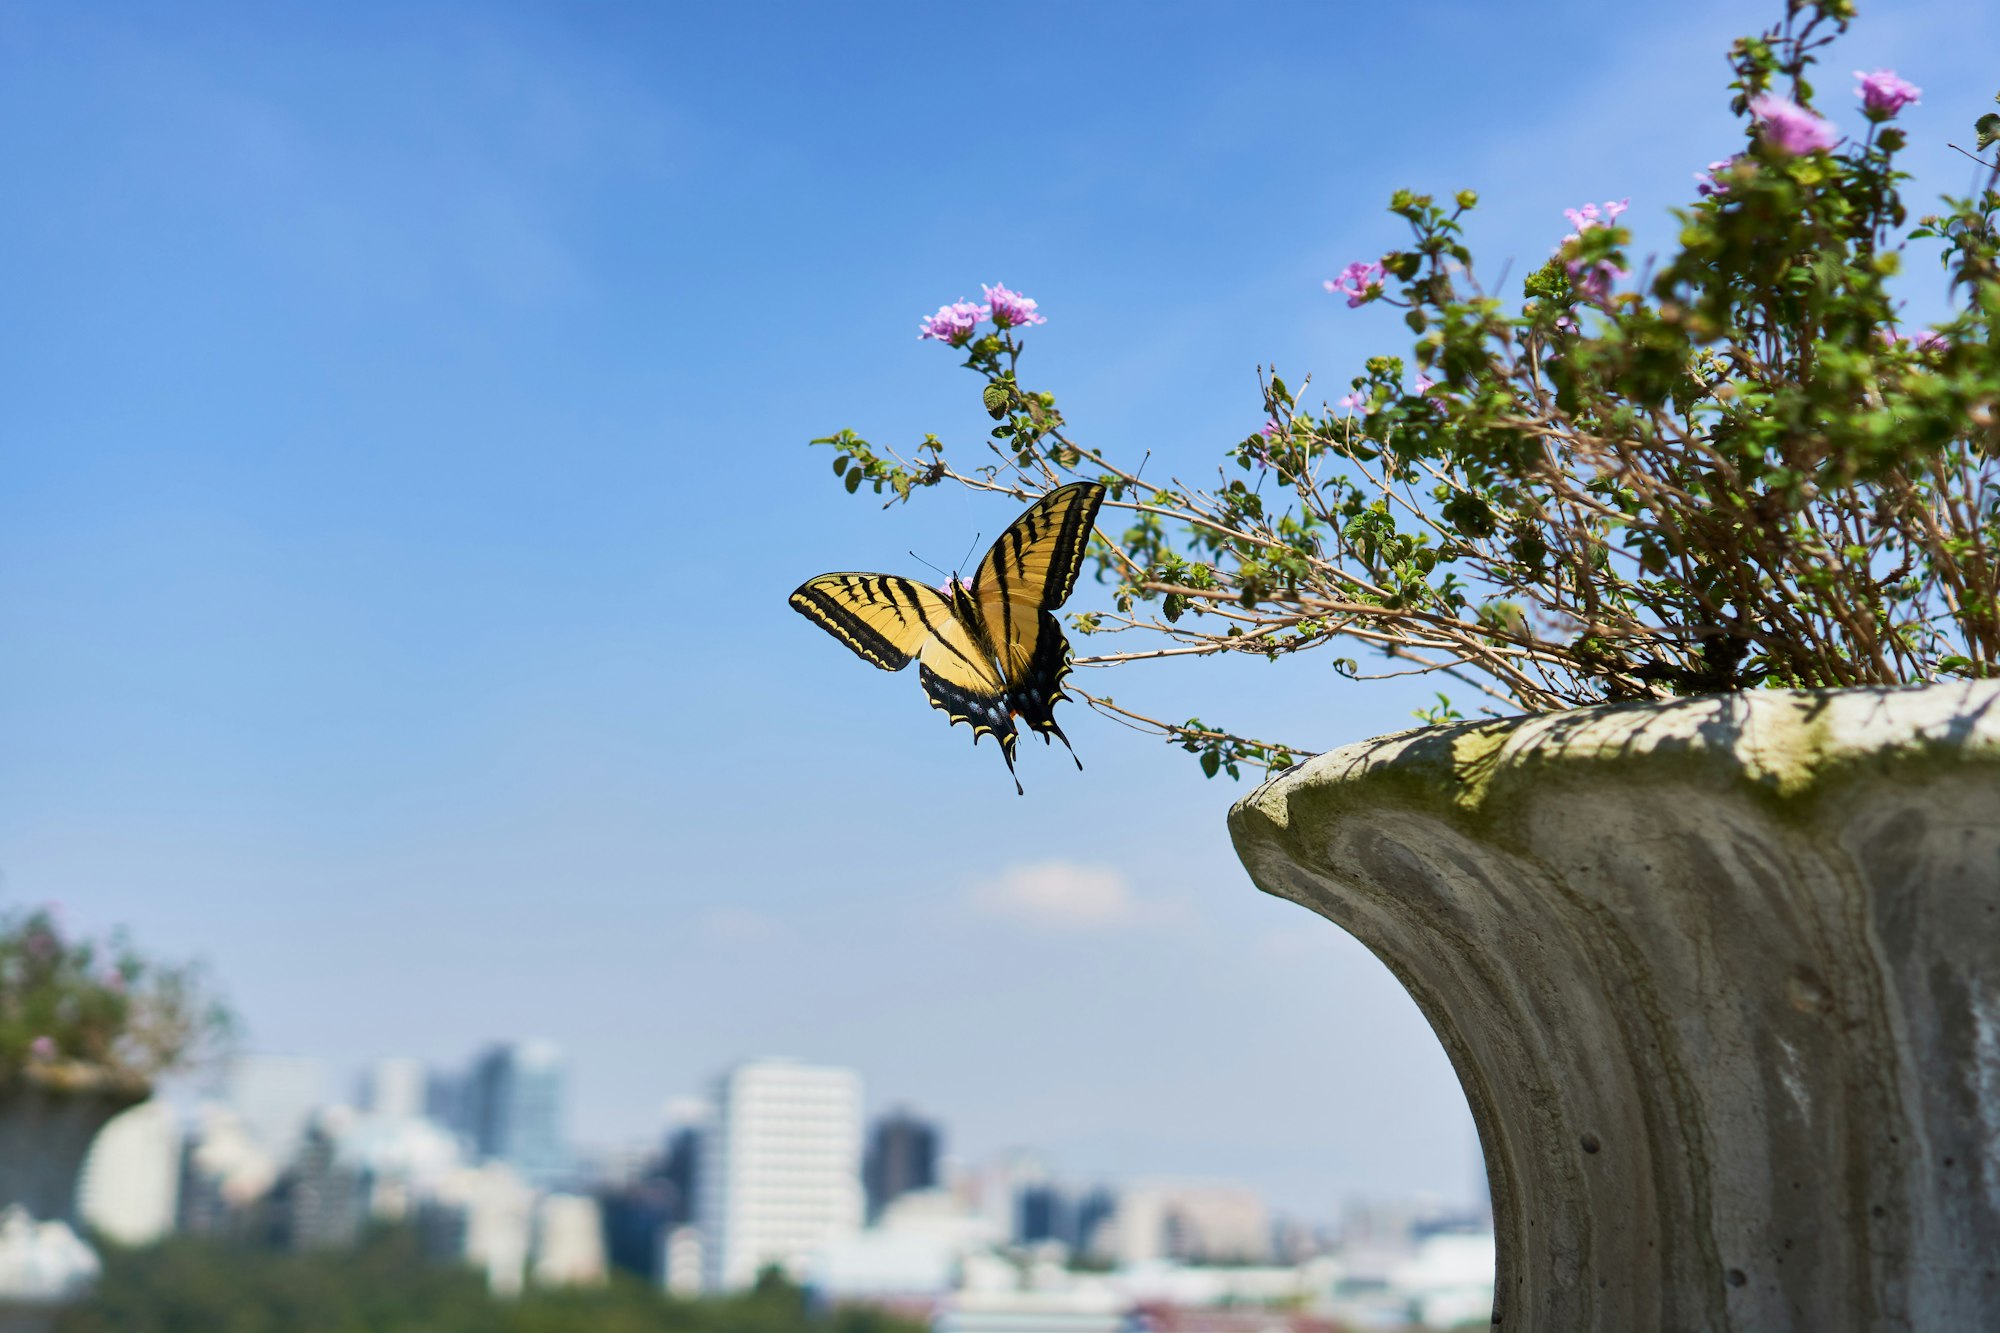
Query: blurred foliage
x=387, y=1285
x=1733, y=471
x=76, y=1010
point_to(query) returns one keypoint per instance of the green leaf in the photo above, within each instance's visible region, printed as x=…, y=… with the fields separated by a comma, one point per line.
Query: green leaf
x=1211, y=761
x=1988, y=127
x=995, y=399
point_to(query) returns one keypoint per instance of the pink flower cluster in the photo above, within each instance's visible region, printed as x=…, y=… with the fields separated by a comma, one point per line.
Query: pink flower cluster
x=1583, y=219
x=42, y=1048
x=1010, y=309
x=1882, y=94
x=1930, y=340
x=1358, y=282
x=955, y=323
x=1790, y=128
x=1705, y=183
x=1593, y=281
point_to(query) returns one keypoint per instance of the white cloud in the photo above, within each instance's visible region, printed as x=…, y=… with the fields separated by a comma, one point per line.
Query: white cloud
x=1065, y=896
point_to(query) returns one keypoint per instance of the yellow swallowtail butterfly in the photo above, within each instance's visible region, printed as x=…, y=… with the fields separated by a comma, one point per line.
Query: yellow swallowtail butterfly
x=988, y=651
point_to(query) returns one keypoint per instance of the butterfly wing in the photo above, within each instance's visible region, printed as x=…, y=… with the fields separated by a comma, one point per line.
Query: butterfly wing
x=884, y=619
x=961, y=678
x=1028, y=573
x=889, y=621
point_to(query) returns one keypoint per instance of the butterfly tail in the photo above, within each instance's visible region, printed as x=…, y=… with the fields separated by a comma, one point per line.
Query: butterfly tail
x=1048, y=729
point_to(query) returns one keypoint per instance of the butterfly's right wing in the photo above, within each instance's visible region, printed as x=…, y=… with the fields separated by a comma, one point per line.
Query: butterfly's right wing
x=883, y=618
x=1027, y=574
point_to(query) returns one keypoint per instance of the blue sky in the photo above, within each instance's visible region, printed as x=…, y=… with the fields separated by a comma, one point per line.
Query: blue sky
x=404, y=417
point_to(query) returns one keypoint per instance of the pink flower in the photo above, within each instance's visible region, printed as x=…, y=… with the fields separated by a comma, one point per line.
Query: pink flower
x=1882, y=94
x=42, y=1048
x=1790, y=128
x=1583, y=219
x=1930, y=340
x=1593, y=282
x=1271, y=427
x=1010, y=309
x=1358, y=282
x=953, y=323
x=1424, y=382
x=1705, y=183
x=1565, y=323
x=1354, y=402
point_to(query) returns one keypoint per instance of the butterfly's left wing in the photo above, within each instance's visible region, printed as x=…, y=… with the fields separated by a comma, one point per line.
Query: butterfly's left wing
x=1027, y=574
x=889, y=621
x=883, y=618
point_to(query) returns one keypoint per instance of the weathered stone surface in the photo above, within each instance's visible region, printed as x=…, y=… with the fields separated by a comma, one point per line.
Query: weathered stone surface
x=45, y=1130
x=1721, y=979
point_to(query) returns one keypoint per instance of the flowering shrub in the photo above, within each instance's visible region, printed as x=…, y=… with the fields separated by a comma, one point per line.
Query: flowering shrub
x=76, y=1010
x=1743, y=473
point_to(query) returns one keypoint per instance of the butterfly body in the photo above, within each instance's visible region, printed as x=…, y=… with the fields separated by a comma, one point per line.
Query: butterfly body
x=988, y=651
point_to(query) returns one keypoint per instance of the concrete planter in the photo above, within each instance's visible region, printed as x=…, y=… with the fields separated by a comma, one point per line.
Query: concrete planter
x=1721, y=979
x=46, y=1128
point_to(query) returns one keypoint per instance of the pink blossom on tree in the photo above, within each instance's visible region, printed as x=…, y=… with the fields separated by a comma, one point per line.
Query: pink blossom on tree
x=1790, y=128
x=1593, y=282
x=1590, y=215
x=1010, y=309
x=953, y=323
x=1882, y=94
x=1358, y=282
x=1705, y=182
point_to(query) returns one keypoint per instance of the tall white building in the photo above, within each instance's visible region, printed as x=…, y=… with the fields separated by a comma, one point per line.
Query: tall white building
x=780, y=1172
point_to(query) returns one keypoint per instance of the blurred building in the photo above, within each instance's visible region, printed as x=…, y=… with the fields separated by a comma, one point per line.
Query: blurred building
x=130, y=1189
x=395, y=1089
x=483, y=1216
x=569, y=1242
x=902, y=1156
x=274, y=1097
x=226, y=1178
x=779, y=1175
x=322, y=1201
x=514, y=1110
x=1204, y=1224
x=1049, y=1212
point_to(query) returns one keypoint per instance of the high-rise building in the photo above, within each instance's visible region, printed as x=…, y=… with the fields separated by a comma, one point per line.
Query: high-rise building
x=682, y=1172
x=902, y=1156
x=274, y=1097
x=131, y=1180
x=395, y=1088
x=514, y=1110
x=780, y=1168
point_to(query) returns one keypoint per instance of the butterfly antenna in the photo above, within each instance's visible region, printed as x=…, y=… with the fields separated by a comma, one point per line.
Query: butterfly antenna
x=927, y=564
x=969, y=550
x=1142, y=465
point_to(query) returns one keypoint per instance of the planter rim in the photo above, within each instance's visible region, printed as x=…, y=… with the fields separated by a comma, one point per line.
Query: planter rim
x=1780, y=745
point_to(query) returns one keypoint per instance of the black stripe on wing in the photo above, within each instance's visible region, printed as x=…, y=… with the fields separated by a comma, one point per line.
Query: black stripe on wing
x=883, y=618
x=1032, y=694
x=1037, y=559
